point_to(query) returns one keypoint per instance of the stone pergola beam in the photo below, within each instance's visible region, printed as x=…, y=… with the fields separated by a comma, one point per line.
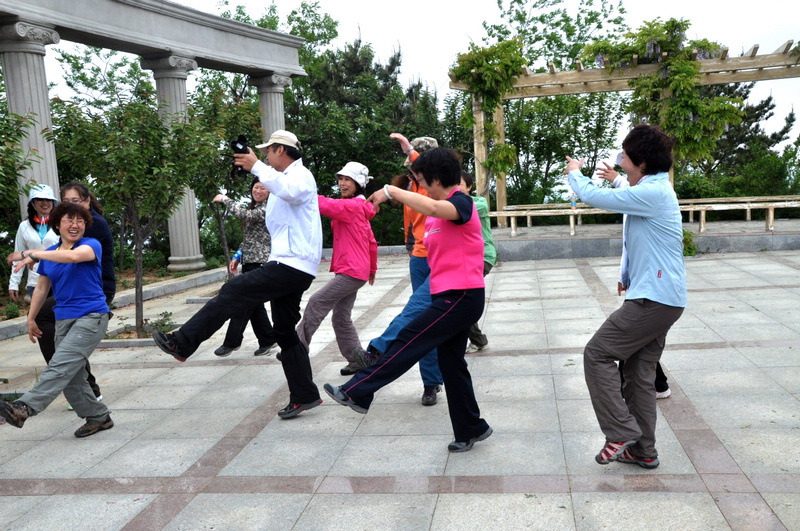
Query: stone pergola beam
x=154, y=28
x=171, y=39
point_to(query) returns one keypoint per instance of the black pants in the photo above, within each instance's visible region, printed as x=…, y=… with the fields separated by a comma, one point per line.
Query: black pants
x=46, y=321
x=257, y=316
x=283, y=287
x=476, y=337
x=445, y=326
x=661, y=378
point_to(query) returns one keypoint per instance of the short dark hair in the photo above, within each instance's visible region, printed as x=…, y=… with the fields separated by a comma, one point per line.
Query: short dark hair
x=442, y=164
x=649, y=144
x=291, y=151
x=469, y=180
x=69, y=210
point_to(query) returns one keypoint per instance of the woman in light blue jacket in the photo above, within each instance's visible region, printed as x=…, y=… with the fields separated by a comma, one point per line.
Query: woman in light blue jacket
x=655, y=299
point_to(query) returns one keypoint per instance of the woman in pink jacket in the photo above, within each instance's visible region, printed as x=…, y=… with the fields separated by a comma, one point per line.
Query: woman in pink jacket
x=354, y=262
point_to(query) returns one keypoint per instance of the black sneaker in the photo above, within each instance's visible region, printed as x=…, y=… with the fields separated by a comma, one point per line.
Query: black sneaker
x=338, y=394
x=91, y=427
x=350, y=368
x=168, y=344
x=429, y=395
x=461, y=446
x=292, y=410
x=15, y=413
x=263, y=350
x=225, y=351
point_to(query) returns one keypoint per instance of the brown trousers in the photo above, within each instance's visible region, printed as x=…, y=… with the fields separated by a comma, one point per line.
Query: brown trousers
x=636, y=334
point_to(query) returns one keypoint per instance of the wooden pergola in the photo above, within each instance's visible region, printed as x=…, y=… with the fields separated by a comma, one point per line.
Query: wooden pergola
x=721, y=70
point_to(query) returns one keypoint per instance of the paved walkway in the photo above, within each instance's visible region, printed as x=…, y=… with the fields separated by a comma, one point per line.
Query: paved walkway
x=199, y=445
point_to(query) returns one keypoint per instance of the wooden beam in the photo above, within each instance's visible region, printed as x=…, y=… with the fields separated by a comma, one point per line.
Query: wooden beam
x=551, y=67
x=752, y=51
x=723, y=54
x=605, y=80
x=579, y=65
x=785, y=47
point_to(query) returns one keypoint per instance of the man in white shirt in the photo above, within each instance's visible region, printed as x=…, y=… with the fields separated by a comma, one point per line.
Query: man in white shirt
x=293, y=221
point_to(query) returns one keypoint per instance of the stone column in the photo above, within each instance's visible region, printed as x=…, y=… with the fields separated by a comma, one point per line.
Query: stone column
x=170, y=74
x=22, y=49
x=270, y=97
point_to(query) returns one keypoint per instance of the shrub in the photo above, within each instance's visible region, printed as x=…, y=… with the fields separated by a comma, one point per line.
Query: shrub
x=12, y=311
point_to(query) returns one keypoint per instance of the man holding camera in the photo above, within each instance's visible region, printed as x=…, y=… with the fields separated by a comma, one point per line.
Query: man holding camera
x=293, y=221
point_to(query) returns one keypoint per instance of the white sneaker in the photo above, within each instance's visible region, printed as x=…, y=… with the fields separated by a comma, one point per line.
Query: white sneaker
x=100, y=398
x=664, y=394
x=472, y=348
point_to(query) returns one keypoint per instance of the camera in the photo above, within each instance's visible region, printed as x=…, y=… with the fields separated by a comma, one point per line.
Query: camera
x=240, y=146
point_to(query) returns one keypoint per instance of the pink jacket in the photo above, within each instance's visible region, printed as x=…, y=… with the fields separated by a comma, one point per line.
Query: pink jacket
x=355, y=251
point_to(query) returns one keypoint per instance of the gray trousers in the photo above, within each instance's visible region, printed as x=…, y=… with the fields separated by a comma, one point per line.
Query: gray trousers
x=76, y=339
x=636, y=334
x=339, y=296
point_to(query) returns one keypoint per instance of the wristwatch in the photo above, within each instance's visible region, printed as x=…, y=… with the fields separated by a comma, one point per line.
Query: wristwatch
x=22, y=254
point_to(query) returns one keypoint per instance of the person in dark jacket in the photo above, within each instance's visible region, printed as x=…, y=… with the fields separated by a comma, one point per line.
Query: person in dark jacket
x=75, y=192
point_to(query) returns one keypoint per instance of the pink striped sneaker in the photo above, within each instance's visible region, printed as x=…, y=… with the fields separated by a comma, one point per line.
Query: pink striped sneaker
x=644, y=462
x=611, y=451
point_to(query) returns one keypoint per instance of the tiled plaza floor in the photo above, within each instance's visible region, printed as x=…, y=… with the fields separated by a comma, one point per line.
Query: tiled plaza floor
x=199, y=445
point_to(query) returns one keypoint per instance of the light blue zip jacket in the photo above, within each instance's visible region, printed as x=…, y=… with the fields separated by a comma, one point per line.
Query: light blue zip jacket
x=653, y=234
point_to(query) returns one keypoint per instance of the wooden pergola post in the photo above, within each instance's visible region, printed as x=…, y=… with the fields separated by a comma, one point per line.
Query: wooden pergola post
x=500, y=178
x=479, y=146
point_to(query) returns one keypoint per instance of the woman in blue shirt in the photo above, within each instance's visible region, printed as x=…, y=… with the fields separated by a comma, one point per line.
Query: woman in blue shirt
x=72, y=268
x=655, y=298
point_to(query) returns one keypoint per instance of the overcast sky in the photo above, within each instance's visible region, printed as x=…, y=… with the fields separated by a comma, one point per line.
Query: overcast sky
x=431, y=34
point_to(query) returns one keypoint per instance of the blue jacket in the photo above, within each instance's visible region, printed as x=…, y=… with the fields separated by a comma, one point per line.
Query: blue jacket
x=653, y=234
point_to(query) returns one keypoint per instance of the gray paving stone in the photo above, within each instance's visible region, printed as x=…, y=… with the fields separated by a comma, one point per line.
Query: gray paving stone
x=504, y=511
x=398, y=511
x=70, y=512
x=241, y=511
x=615, y=510
x=392, y=455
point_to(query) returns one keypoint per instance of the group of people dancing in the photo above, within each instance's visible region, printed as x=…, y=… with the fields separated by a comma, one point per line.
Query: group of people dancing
x=450, y=247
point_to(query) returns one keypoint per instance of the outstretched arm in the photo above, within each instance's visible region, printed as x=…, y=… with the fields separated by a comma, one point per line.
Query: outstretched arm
x=424, y=205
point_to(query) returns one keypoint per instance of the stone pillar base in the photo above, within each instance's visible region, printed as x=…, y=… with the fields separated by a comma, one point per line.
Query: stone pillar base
x=186, y=263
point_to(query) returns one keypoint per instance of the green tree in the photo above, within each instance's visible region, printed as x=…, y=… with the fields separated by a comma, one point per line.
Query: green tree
x=670, y=98
x=138, y=162
x=545, y=130
x=223, y=101
x=747, y=145
x=348, y=105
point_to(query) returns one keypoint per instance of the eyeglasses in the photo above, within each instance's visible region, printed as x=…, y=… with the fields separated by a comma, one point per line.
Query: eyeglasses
x=73, y=221
x=74, y=200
